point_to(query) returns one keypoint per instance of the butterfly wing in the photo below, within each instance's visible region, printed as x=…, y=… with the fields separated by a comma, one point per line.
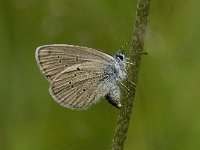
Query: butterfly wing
x=53, y=59
x=78, y=89
x=76, y=74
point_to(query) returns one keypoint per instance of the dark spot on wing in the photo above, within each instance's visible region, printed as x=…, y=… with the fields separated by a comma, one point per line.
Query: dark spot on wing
x=59, y=61
x=78, y=69
x=84, y=90
x=48, y=76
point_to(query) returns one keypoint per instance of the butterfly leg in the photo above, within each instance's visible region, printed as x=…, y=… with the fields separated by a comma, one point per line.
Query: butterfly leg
x=113, y=97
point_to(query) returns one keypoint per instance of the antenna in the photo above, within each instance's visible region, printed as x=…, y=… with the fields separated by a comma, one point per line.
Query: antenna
x=125, y=44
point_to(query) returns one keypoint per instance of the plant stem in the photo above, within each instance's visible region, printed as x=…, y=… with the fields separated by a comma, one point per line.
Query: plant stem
x=139, y=29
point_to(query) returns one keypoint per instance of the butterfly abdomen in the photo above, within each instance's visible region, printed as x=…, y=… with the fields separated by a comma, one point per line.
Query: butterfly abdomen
x=113, y=96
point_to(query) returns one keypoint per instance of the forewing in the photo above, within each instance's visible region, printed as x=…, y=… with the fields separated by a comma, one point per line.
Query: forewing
x=80, y=86
x=53, y=59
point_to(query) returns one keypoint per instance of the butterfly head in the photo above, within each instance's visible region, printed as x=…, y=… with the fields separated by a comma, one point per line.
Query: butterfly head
x=121, y=63
x=120, y=58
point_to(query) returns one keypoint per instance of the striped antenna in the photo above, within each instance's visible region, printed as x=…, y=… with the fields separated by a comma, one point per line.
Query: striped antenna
x=124, y=45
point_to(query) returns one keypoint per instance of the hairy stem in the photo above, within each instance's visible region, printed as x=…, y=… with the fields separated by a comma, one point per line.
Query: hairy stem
x=139, y=29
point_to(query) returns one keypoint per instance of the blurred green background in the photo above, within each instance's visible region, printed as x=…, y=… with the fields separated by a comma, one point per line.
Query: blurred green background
x=166, y=114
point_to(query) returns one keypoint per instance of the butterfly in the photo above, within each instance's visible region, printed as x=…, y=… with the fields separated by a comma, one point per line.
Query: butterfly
x=79, y=76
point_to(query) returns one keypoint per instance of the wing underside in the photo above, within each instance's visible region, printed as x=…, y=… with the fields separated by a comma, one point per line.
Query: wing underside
x=53, y=59
x=76, y=74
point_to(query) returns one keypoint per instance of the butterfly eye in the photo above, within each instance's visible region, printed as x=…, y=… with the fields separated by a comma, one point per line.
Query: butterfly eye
x=120, y=57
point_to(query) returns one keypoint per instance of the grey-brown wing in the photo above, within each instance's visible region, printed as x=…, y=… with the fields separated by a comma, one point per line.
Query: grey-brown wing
x=53, y=59
x=79, y=88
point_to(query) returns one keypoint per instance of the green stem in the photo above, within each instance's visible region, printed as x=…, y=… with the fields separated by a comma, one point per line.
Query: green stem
x=139, y=29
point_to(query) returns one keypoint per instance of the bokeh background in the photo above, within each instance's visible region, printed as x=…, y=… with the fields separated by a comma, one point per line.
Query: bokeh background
x=166, y=114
